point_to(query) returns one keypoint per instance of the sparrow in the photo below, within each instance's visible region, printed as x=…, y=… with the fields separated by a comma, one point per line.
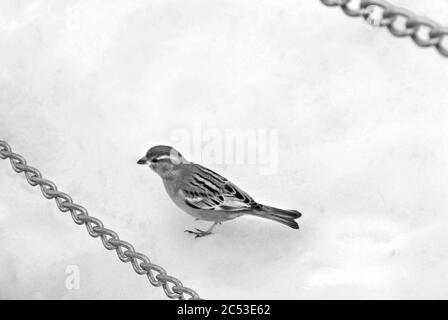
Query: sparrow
x=205, y=194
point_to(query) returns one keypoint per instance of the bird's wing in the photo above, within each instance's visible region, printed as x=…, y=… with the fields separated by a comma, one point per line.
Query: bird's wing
x=207, y=190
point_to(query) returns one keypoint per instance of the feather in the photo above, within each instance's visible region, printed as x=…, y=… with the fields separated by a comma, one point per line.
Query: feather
x=207, y=190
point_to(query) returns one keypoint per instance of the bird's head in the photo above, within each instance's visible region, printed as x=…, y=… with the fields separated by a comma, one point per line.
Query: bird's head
x=163, y=160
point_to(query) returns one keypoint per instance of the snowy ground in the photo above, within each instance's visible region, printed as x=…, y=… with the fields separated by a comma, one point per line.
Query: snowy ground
x=87, y=86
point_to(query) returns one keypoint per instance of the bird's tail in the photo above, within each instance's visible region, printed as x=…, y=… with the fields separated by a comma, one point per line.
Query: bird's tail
x=285, y=217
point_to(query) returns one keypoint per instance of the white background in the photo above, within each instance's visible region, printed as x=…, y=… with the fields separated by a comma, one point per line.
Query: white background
x=87, y=86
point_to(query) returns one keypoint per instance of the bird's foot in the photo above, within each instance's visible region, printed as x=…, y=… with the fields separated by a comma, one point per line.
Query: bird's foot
x=199, y=233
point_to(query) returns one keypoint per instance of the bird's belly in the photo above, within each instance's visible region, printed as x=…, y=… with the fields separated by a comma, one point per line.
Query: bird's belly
x=212, y=215
x=209, y=215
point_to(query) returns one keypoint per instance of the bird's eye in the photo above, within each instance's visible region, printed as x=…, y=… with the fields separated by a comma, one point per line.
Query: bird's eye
x=154, y=160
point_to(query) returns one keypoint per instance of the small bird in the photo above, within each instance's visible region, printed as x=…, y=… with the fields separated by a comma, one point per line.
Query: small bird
x=206, y=195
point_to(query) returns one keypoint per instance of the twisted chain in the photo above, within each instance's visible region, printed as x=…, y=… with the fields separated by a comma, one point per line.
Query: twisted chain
x=400, y=22
x=156, y=275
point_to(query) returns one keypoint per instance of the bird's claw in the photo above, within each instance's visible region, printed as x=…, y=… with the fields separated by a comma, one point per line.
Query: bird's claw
x=199, y=233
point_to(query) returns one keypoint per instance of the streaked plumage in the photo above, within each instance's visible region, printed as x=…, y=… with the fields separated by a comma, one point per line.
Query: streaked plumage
x=205, y=194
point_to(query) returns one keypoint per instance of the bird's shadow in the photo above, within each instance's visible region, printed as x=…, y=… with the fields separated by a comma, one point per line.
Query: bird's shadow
x=251, y=239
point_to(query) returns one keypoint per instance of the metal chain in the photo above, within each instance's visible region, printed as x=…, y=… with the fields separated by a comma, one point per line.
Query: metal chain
x=156, y=275
x=423, y=31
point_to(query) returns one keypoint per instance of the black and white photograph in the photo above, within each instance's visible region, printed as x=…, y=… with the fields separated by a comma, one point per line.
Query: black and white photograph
x=223, y=150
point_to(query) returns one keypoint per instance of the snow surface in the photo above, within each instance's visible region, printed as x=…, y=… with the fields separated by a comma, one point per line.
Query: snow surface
x=87, y=86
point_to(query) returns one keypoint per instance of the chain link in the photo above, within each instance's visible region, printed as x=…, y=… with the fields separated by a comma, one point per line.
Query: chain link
x=399, y=21
x=142, y=265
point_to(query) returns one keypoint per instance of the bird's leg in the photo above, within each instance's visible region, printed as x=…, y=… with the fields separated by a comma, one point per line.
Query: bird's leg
x=200, y=233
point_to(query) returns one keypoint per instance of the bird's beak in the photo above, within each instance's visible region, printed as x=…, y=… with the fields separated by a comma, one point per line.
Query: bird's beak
x=142, y=161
